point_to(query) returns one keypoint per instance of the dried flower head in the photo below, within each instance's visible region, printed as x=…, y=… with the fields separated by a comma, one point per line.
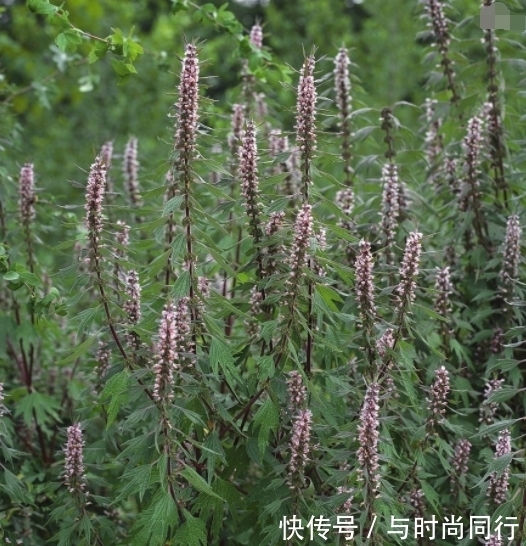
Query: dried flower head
x=498, y=484
x=74, y=476
x=437, y=399
x=368, y=437
x=26, y=189
x=297, y=392
x=300, y=448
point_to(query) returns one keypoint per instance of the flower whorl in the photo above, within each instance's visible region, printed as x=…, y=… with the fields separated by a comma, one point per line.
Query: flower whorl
x=498, y=484
x=166, y=354
x=94, y=197
x=368, y=437
x=186, y=133
x=256, y=36
x=300, y=448
x=472, y=145
x=511, y=254
x=365, y=283
x=297, y=391
x=299, y=256
x=236, y=135
x=390, y=204
x=488, y=409
x=26, y=188
x=460, y=460
x=248, y=173
x=131, y=171
x=444, y=289
x=342, y=83
x=306, y=120
x=437, y=400
x=410, y=268
x=74, y=476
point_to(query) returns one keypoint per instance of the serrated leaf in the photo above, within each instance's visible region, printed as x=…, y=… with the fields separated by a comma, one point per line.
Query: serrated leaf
x=116, y=388
x=267, y=419
x=198, y=482
x=154, y=523
x=181, y=286
x=192, y=532
x=136, y=480
x=79, y=351
x=221, y=357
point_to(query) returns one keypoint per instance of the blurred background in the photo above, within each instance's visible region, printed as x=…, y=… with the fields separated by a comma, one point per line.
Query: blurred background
x=68, y=107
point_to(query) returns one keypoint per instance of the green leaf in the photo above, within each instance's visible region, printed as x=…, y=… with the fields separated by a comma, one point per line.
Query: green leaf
x=154, y=523
x=14, y=487
x=98, y=51
x=136, y=480
x=267, y=419
x=181, y=286
x=116, y=388
x=12, y=276
x=38, y=405
x=192, y=532
x=194, y=479
x=79, y=351
x=221, y=357
x=173, y=204
x=42, y=7
x=68, y=41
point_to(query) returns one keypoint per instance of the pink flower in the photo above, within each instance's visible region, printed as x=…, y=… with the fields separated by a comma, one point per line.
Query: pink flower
x=186, y=132
x=368, y=437
x=498, y=484
x=300, y=447
x=74, y=476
